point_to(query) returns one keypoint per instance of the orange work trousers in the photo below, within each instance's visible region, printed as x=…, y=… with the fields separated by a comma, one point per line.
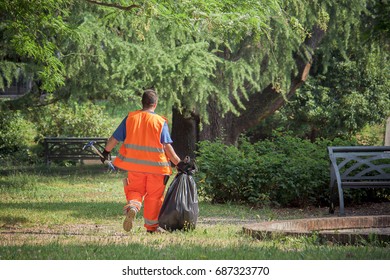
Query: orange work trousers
x=149, y=189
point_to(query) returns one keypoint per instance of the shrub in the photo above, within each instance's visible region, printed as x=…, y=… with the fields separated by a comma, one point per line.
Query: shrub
x=71, y=120
x=285, y=171
x=222, y=171
x=16, y=133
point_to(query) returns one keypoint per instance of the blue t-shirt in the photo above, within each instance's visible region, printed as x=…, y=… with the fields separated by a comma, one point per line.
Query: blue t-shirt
x=120, y=133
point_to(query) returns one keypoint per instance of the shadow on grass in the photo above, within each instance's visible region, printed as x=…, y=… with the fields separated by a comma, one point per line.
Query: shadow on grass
x=55, y=170
x=84, y=210
x=12, y=220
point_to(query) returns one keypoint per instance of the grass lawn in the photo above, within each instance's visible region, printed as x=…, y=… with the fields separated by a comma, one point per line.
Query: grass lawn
x=76, y=213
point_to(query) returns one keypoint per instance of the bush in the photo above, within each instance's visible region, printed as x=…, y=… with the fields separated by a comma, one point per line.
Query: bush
x=286, y=171
x=16, y=134
x=71, y=120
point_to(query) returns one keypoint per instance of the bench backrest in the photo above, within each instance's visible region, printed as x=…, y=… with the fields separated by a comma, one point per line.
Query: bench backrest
x=72, y=147
x=363, y=163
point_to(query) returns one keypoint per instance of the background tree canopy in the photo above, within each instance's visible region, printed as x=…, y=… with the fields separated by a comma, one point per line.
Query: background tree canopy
x=222, y=66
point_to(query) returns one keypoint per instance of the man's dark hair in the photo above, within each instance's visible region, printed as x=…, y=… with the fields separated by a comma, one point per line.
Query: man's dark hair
x=149, y=98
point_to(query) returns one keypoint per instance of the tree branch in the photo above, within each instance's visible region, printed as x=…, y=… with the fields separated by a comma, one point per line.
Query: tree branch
x=268, y=99
x=116, y=6
x=34, y=98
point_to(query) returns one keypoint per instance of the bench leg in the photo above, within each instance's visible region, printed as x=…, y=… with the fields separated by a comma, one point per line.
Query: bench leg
x=331, y=208
x=332, y=196
x=341, y=200
x=46, y=144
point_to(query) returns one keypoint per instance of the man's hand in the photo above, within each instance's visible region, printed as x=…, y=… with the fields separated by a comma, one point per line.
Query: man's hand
x=181, y=166
x=105, y=155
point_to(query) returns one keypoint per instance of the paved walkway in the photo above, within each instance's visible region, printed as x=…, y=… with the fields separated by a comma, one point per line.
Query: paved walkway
x=336, y=229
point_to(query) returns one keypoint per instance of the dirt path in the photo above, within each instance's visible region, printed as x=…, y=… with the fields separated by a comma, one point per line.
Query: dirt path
x=113, y=233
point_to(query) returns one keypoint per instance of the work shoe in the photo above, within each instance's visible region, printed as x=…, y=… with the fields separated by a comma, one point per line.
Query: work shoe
x=128, y=222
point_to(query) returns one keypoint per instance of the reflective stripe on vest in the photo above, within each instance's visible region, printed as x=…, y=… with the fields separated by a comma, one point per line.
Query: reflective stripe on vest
x=143, y=162
x=144, y=148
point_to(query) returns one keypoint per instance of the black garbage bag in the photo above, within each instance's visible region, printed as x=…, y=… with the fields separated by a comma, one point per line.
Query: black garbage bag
x=180, y=208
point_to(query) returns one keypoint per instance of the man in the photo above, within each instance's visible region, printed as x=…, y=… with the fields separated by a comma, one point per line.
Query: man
x=145, y=154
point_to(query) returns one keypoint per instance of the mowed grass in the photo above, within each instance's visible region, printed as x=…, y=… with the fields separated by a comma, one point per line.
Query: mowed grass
x=76, y=213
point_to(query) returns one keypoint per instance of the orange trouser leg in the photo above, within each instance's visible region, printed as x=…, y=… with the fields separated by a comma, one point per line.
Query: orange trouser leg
x=153, y=200
x=135, y=190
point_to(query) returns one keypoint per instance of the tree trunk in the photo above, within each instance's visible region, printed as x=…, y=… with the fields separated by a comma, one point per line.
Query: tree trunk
x=185, y=133
x=222, y=128
x=259, y=106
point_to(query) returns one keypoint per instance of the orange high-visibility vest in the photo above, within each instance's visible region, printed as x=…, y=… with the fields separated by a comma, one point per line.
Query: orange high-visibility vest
x=142, y=150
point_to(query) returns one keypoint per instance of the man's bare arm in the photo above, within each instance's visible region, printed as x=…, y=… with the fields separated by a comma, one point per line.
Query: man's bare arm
x=111, y=143
x=170, y=152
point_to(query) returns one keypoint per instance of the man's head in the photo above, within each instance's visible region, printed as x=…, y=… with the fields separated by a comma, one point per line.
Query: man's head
x=149, y=99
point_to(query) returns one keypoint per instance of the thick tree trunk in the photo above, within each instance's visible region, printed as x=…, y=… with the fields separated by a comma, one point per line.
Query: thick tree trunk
x=219, y=127
x=185, y=133
x=259, y=106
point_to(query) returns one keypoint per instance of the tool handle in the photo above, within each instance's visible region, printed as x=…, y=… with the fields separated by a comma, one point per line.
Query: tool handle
x=97, y=151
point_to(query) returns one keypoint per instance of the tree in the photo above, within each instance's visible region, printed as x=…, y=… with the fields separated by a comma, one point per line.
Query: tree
x=222, y=65
x=345, y=93
x=62, y=47
x=29, y=31
x=339, y=103
x=111, y=51
x=281, y=76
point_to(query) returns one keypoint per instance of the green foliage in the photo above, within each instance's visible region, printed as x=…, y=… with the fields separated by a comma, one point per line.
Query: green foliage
x=353, y=94
x=9, y=72
x=190, y=51
x=71, y=120
x=372, y=135
x=286, y=171
x=377, y=22
x=172, y=46
x=16, y=134
x=30, y=32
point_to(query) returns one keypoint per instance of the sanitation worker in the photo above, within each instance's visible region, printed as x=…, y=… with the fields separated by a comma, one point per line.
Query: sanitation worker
x=145, y=153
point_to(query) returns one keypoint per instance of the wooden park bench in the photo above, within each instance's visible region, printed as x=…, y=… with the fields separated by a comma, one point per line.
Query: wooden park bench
x=357, y=167
x=71, y=148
